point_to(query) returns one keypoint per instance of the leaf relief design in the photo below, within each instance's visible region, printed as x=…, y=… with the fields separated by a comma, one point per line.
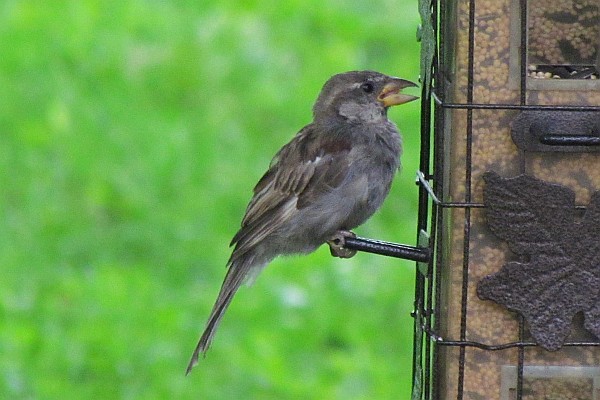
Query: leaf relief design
x=558, y=271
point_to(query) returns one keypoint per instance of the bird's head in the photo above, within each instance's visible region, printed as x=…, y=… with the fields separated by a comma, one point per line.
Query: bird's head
x=361, y=96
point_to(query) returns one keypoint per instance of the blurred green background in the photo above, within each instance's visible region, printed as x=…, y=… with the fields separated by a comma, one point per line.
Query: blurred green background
x=131, y=135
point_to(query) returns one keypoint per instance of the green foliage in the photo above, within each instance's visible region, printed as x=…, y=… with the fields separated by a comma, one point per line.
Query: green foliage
x=132, y=133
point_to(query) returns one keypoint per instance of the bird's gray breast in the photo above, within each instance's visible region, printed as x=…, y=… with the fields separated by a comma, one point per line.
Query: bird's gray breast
x=372, y=163
x=374, y=160
x=370, y=180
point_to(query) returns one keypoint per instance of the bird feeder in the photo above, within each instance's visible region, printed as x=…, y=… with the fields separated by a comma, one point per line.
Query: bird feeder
x=509, y=306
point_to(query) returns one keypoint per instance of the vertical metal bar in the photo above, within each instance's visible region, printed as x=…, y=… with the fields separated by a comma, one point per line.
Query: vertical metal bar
x=424, y=284
x=441, y=13
x=433, y=304
x=438, y=214
x=521, y=359
x=467, y=217
x=430, y=306
x=424, y=166
x=523, y=101
x=424, y=162
x=421, y=224
x=429, y=315
x=523, y=52
x=420, y=280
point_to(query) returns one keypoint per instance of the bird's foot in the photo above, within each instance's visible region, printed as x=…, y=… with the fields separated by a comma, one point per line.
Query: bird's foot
x=336, y=244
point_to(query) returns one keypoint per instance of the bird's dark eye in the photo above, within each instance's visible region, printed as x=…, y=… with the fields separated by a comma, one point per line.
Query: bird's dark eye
x=367, y=87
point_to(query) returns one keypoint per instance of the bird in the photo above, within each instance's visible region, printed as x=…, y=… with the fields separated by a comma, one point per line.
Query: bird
x=329, y=179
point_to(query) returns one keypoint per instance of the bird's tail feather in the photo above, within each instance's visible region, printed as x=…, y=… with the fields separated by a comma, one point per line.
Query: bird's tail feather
x=236, y=276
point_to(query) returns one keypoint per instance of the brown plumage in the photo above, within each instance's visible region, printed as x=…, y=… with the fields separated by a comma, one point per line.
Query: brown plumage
x=331, y=177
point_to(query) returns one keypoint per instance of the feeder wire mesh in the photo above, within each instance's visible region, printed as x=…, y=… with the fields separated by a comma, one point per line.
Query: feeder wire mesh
x=435, y=204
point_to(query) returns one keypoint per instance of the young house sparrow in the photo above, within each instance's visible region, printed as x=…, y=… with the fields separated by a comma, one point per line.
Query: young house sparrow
x=330, y=178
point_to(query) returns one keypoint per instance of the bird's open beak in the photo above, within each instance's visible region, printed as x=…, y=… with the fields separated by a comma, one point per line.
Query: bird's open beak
x=390, y=94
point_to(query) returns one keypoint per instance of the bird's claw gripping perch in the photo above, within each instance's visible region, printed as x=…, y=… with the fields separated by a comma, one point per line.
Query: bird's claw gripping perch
x=336, y=244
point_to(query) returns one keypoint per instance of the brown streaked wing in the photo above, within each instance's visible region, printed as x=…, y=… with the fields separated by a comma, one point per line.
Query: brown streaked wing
x=304, y=168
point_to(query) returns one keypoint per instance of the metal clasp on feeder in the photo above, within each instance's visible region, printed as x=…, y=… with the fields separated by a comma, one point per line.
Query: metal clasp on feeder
x=557, y=131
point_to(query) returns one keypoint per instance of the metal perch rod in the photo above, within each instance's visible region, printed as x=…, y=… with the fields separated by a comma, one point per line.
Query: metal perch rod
x=420, y=254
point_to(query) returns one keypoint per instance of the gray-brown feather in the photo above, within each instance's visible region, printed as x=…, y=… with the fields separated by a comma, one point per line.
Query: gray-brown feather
x=333, y=175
